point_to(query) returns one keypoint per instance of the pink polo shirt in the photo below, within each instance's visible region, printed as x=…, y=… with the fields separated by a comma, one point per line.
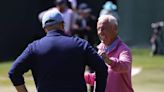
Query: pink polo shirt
x=119, y=72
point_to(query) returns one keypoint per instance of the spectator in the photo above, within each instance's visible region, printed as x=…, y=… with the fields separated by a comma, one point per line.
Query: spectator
x=62, y=6
x=73, y=4
x=67, y=13
x=85, y=24
x=109, y=8
x=157, y=38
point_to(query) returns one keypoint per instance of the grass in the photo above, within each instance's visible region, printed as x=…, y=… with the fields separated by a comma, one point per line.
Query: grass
x=150, y=79
x=6, y=85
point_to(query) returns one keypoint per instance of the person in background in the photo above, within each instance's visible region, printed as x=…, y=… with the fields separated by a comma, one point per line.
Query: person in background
x=109, y=8
x=58, y=61
x=85, y=24
x=65, y=8
x=157, y=39
x=68, y=15
x=116, y=54
x=73, y=4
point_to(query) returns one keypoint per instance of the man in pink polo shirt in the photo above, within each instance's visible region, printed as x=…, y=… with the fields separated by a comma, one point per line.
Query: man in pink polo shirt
x=116, y=54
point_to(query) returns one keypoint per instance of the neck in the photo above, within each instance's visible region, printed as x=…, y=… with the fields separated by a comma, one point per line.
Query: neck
x=52, y=30
x=111, y=41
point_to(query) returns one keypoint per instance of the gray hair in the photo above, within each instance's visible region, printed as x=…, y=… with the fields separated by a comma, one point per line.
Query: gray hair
x=110, y=18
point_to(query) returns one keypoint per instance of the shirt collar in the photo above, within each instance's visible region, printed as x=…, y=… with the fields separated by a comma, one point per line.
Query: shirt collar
x=113, y=45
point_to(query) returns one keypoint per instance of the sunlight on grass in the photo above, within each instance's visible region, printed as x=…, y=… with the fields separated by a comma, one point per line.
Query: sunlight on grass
x=151, y=78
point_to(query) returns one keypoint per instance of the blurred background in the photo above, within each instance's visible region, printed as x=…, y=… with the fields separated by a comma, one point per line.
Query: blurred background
x=140, y=26
x=20, y=25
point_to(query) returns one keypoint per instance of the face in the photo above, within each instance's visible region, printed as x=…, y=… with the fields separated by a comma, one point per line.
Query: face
x=105, y=31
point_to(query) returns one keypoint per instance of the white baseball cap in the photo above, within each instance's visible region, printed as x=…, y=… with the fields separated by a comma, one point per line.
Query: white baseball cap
x=51, y=17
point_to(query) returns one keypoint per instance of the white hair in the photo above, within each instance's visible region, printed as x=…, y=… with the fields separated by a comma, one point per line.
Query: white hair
x=110, y=18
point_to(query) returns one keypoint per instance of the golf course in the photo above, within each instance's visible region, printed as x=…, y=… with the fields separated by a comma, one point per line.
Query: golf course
x=149, y=79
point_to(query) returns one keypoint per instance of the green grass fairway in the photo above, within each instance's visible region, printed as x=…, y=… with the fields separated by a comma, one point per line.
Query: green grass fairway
x=5, y=84
x=150, y=79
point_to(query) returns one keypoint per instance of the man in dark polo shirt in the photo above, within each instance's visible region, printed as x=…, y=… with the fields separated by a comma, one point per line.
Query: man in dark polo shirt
x=58, y=61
